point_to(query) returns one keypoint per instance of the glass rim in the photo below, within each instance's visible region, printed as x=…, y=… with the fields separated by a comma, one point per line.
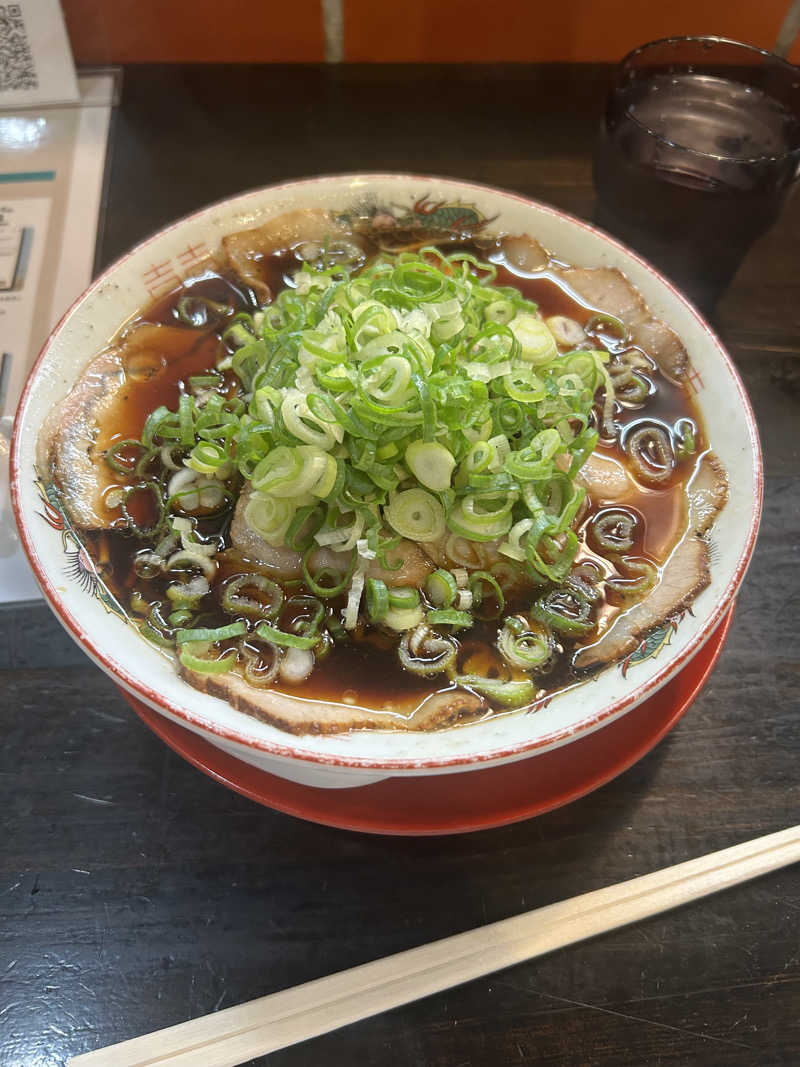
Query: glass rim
x=626, y=64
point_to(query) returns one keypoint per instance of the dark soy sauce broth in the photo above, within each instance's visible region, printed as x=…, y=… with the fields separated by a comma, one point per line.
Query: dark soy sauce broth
x=365, y=670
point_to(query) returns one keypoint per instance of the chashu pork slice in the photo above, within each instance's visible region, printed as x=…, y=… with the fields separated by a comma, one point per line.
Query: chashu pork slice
x=604, y=478
x=607, y=289
x=299, y=715
x=78, y=431
x=246, y=249
x=67, y=449
x=683, y=576
x=284, y=563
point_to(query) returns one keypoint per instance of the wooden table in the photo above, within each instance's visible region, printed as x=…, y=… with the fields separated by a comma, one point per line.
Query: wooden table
x=135, y=892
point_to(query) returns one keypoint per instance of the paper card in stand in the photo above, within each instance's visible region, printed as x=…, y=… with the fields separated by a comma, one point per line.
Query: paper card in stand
x=52, y=162
x=36, y=66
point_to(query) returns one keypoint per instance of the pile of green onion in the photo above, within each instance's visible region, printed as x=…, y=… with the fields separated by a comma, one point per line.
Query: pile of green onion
x=410, y=399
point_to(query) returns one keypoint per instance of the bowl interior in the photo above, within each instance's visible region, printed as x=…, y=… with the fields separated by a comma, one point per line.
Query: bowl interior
x=156, y=265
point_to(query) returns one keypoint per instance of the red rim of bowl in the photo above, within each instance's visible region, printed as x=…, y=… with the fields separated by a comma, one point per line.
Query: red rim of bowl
x=155, y=699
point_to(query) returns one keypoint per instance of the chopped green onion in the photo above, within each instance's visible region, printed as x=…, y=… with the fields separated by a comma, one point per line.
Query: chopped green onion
x=153, y=423
x=651, y=454
x=479, y=579
x=156, y=492
x=198, y=381
x=565, y=611
x=305, y=524
x=253, y=650
x=512, y=547
x=686, y=435
x=635, y=389
x=468, y=520
x=403, y=598
x=336, y=630
x=405, y=619
x=188, y=593
x=513, y=694
x=631, y=589
x=146, y=629
x=554, y=560
x=377, y=599
x=268, y=517
x=459, y=620
x=529, y=650
x=265, y=605
x=566, y=331
x=415, y=514
x=501, y=311
x=138, y=604
x=615, y=530
x=279, y=637
x=192, y=559
x=199, y=311
x=121, y=466
x=431, y=464
x=301, y=422
x=441, y=588
x=327, y=582
x=207, y=457
x=479, y=458
x=602, y=320
x=219, y=633
x=430, y=655
x=192, y=657
x=290, y=472
x=536, y=342
x=312, y=613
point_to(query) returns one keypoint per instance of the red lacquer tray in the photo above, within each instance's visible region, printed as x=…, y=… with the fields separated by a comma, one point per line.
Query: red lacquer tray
x=472, y=800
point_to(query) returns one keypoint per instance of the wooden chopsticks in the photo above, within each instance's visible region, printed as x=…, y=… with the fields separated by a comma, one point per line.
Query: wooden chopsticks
x=234, y=1035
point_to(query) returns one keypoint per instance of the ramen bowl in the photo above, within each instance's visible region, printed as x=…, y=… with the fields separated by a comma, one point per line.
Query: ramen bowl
x=92, y=615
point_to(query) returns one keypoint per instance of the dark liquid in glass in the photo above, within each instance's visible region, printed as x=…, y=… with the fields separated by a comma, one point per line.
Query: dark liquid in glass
x=689, y=169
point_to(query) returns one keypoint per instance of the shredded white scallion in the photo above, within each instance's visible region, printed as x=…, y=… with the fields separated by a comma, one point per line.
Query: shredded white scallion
x=332, y=537
x=363, y=549
x=462, y=577
x=354, y=600
x=464, y=602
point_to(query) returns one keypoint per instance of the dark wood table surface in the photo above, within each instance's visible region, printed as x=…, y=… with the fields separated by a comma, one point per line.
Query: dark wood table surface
x=136, y=893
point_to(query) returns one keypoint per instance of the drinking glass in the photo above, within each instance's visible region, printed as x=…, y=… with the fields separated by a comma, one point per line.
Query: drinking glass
x=698, y=149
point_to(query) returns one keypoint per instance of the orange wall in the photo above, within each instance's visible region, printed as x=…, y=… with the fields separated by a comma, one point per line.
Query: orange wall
x=194, y=31
x=252, y=31
x=531, y=30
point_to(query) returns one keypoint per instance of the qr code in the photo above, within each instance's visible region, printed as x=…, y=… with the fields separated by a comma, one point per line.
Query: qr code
x=17, y=69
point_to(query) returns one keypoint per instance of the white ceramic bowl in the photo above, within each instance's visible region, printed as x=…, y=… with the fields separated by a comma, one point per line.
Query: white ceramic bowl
x=346, y=760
